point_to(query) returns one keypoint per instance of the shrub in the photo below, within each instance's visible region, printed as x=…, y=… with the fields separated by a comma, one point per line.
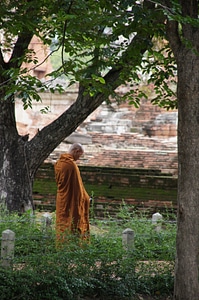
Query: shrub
x=100, y=269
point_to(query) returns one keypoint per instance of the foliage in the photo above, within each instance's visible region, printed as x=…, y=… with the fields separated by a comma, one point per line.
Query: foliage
x=101, y=268
x=92, y=38
x=160, y=68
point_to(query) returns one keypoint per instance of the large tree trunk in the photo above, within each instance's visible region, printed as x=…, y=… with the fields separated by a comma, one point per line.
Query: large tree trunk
x=186, y=273
x=15, y=181
x=187, y=240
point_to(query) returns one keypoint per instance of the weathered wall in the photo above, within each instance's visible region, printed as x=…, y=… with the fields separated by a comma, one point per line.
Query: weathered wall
x=119, y=136
x=143, y=189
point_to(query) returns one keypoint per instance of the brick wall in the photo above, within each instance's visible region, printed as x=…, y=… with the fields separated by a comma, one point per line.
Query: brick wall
x=131, y=151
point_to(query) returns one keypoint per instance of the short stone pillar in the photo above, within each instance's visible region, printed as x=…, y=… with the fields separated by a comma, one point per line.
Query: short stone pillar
x=7, y=248
x=128, y=239
x=47, y=220
x=157, y=221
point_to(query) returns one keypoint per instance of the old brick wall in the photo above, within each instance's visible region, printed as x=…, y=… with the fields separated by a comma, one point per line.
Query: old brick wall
x=120, y=136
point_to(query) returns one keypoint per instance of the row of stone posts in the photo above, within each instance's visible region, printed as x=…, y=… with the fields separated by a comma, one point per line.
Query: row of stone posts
x=8, y=238
x=128, y=234
x=8, y=242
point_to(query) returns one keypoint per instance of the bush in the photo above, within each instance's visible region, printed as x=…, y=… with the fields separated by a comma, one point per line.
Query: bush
x=101, y=269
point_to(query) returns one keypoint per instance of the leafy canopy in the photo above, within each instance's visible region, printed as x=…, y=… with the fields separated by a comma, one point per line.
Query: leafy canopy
x=93, y=38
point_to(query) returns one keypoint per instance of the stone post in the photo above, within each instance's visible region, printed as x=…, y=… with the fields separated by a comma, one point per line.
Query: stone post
x=47, y=220
x=128, y=239
x=7, y=248
x=157, y=220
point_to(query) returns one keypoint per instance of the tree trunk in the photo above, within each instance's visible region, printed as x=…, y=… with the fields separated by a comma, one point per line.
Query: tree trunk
x=186, y=273
x=15, y=182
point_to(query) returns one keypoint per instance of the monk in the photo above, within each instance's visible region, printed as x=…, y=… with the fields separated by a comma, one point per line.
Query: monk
x=72, y=203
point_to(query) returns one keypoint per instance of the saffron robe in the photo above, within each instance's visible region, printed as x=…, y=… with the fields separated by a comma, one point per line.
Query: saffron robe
x=72, y=202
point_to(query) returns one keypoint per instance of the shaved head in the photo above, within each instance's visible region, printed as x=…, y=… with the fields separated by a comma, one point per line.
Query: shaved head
x=76, y=150
x=76, y=146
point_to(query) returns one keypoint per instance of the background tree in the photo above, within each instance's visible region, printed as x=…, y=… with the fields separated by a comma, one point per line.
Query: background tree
x=89, y=32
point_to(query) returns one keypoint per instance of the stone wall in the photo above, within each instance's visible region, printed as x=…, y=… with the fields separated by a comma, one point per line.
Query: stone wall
x=120, y=136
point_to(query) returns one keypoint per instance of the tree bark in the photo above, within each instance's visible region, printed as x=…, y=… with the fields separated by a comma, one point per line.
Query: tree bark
x=187, y=243
x=15, y=182
x=187, y=240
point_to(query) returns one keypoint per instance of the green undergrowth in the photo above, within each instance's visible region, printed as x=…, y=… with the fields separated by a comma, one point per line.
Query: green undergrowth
x=100, y=269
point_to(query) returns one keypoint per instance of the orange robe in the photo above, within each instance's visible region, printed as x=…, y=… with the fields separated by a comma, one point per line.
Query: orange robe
x=72, y=203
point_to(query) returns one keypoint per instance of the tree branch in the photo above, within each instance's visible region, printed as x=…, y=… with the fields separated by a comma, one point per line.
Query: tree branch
x=173, y=36
x=64, y=32
x=52, y=135
x=2, y=62
x=20, y=49
x=2, y=67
